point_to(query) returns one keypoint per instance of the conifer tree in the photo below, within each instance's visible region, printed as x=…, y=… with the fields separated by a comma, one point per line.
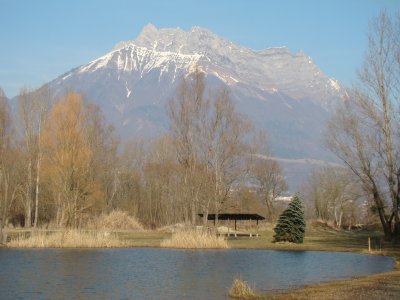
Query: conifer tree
x=291, y=224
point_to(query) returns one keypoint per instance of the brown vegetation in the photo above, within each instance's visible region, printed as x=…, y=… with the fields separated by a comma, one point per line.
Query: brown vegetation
x=240, y=289
x=67, y=239
x=364, y=132
x=375, y=287
x=195, y=239
x=208, y=136
x=69, y=141
x=115, y=221
x=63, y=165
x=335, y=198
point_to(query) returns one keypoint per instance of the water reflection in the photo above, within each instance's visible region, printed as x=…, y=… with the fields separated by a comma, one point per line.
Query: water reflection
x=168, y=274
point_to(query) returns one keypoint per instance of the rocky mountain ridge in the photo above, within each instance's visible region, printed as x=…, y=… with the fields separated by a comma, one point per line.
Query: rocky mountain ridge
x=284, y=93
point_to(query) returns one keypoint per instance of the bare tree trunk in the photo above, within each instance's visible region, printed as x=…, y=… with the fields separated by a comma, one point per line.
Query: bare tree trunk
x=28, y=199
x=3, y=206
x=366, y=136
x=381, y=211
x=396, y=230
x=35, y=222
x=38, y=163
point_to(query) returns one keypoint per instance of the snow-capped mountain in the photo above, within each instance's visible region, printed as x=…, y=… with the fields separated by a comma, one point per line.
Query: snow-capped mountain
x=272, y=70
x=282, y=92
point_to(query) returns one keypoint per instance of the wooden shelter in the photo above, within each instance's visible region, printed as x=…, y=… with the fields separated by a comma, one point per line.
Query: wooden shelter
x=234, y=217
x=242, y=206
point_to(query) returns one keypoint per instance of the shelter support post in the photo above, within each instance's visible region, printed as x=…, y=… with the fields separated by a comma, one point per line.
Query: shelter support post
x=257, y=228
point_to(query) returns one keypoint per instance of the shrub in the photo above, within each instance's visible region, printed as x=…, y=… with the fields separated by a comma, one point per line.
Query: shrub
x=240, y=289
x=291, y=224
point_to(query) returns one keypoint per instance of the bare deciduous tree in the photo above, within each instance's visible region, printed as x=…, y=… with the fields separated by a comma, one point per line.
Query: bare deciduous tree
x=8, y=158
x=33, y=107
x=270, y=182
x=266, y=173
x=25, y=105
x=365, y=132
x=188, y=113
x=209, y=140
x=226, y=146
x=334, y=194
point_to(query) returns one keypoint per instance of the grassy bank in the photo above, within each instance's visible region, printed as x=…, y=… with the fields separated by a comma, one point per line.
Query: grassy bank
x=380, y=286
x=317, y=238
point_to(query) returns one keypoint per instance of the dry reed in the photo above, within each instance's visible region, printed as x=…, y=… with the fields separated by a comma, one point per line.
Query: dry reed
x=67, y=239
x=240, y=289
x=194, y=239
x=115, y=220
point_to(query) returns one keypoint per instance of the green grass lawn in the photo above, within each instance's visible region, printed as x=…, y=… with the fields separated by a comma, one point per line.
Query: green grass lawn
x=315, y=239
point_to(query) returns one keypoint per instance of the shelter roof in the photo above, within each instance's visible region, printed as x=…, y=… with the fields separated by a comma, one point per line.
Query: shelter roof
x=235, y=216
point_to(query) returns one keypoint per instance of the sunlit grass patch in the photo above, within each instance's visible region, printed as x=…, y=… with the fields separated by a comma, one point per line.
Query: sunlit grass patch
x=378, y=286
x=195, y=239
x=66, y=239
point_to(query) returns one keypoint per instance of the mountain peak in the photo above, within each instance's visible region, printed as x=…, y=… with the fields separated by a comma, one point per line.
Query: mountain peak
x=174, y=40
x=148, y=35
x=149, y=29
x=282, y=92
x=201, y=30
x=293, y=74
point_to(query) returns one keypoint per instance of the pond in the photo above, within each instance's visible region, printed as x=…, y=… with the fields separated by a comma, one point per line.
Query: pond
x=146, y=273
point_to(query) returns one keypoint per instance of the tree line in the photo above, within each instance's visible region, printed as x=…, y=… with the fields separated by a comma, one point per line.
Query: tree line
x=62, y=164
x=365, y=131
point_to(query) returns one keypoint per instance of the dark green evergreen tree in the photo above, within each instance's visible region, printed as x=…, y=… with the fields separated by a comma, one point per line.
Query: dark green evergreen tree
x=291, y=225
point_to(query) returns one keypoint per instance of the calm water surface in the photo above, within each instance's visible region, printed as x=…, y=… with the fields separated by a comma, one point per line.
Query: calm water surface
x=144, y=273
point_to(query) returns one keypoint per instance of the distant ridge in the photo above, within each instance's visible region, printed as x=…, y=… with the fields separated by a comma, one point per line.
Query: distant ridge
x=284, y=93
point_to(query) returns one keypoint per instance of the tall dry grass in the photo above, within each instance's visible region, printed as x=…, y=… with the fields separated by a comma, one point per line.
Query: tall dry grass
x=115, y=220
x=195, y=239
x=67, y=239
x=240, y=289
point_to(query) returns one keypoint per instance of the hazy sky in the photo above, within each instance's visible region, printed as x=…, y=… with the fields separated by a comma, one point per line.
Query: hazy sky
x=42, y=39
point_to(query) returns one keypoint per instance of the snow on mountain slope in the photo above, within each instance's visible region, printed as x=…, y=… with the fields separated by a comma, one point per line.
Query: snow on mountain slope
x=139, y=59
x=270, y=69
x=282, y=92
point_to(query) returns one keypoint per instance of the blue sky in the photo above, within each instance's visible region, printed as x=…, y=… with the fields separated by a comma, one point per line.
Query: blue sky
x=42, y=39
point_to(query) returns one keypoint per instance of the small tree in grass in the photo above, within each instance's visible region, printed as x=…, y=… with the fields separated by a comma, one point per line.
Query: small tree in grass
x=291, y=225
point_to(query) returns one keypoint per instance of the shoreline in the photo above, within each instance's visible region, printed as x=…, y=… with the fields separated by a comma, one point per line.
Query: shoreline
x=376, y=286
x=153, y=239
x=360, y=287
